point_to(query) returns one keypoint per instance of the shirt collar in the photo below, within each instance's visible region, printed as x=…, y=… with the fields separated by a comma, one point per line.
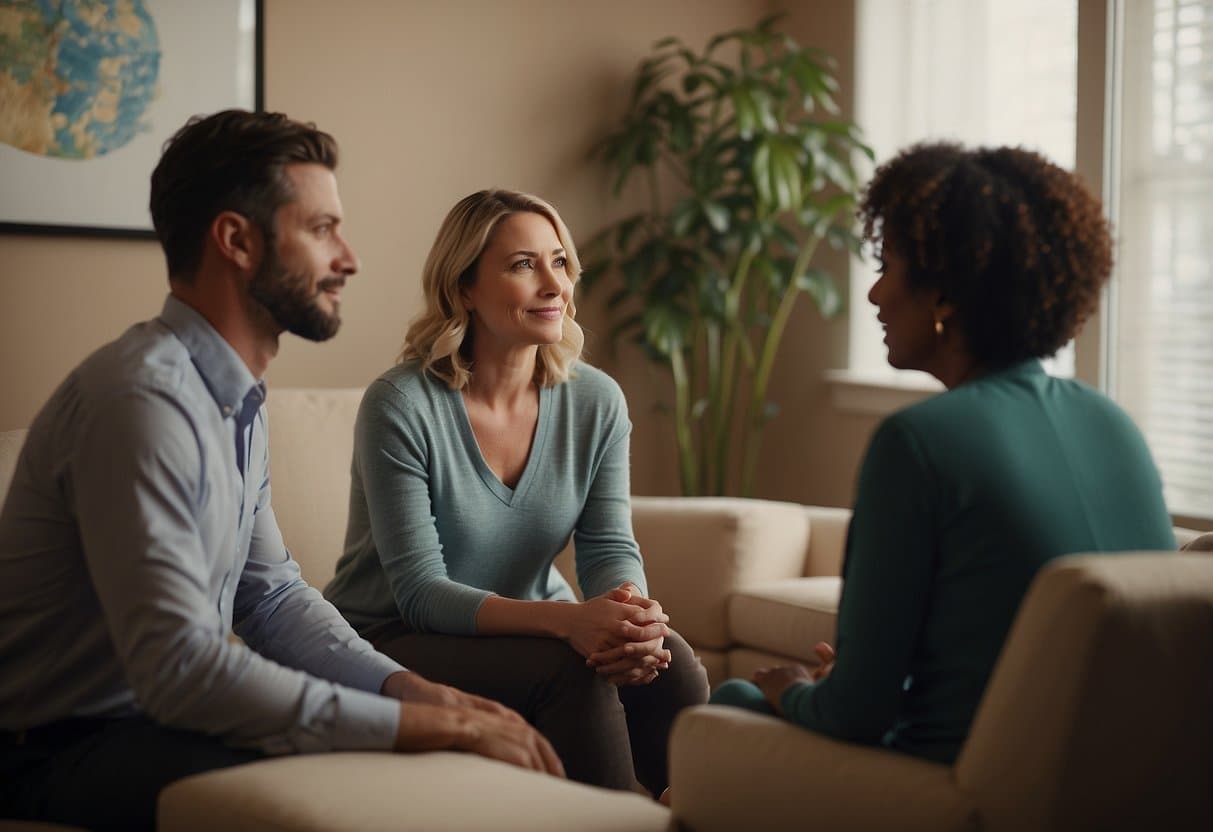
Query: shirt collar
x=225, y=374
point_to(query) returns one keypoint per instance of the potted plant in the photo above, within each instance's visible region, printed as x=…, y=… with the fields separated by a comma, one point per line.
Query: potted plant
x=761, y=171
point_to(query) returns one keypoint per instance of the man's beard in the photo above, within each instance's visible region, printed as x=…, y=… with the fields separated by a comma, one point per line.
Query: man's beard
x=287, y=298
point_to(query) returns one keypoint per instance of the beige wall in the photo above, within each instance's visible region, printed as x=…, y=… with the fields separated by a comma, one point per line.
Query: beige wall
x=430, y=101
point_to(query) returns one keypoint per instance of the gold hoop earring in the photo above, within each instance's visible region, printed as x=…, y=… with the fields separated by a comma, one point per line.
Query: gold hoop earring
x=939, y=327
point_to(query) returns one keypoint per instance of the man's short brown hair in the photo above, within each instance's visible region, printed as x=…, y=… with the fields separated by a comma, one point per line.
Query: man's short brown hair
x=230, y=161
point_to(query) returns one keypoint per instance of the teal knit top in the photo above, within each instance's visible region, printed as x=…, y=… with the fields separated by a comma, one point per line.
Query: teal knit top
x=961, y=499
x=433, y=532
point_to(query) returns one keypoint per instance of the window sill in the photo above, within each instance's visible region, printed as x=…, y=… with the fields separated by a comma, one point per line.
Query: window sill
x=878, y=394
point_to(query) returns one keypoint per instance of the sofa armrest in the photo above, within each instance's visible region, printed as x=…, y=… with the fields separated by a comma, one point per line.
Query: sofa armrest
x=827, y=540
x=699, y=550
x=732, y=769
x=377, y=792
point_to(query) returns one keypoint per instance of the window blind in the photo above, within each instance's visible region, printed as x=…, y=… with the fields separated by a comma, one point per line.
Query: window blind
x=1163, y=347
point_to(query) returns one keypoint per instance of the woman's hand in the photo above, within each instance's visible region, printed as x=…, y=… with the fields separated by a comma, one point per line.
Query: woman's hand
x=637, y=662
x=774, y=682
x=825, y=653
x=634, y=663
x=612, y=620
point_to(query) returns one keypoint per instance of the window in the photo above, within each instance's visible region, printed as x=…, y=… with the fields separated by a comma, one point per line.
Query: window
x=1160, y=349
x=975, y=71
x=1006, y=72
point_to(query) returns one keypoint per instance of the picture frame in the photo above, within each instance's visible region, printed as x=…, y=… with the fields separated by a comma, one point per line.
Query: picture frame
x=197, y=58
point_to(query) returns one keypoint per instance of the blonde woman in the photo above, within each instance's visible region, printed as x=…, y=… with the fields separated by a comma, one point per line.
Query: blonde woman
x=476, y=458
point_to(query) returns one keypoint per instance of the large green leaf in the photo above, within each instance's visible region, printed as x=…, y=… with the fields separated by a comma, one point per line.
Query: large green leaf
x=666, y=327
x=820, y=287
x=717, y=215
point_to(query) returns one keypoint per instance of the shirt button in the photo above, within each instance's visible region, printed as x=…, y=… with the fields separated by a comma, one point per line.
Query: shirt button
x=227, y=411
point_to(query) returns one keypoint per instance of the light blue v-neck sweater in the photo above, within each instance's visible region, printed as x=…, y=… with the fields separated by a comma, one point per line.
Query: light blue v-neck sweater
x=433, y=532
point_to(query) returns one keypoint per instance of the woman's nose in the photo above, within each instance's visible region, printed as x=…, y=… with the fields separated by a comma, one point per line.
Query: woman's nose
x=874, y=292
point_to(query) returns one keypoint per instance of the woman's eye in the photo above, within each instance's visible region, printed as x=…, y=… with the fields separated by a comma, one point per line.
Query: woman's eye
x=519, y=265
x=560, y=262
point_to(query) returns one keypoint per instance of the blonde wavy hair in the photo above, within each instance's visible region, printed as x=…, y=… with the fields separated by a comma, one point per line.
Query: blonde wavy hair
x=438, y=336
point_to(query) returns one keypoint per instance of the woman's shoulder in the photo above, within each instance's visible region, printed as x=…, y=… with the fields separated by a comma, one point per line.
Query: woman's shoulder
x=593, y=401
x=402, y=386
x=587, y=381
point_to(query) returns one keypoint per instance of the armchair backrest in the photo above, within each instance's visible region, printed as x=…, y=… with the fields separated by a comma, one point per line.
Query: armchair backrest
x=1099, y=714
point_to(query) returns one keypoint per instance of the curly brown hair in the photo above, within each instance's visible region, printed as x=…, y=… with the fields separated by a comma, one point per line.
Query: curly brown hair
x=1016, y=244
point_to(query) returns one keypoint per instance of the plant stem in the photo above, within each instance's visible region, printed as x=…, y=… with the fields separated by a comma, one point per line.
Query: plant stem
x=755, y=419
x=722, y=403
x=712, y=478
x=682, y=427
x=654, y=191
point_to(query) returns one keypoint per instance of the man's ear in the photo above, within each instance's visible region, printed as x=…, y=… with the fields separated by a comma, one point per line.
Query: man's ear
x=238, y=240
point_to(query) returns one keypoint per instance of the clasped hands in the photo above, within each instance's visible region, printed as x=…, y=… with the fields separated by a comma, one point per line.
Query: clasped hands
x=622, y=634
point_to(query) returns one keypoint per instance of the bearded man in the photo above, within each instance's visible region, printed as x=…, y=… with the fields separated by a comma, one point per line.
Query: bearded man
x=138, y=533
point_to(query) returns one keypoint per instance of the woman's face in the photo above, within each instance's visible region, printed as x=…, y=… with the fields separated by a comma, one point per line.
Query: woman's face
x=907, y=314
x=522, y=288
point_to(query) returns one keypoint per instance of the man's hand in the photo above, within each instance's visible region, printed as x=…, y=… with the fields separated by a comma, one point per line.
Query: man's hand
x=436, y=727
x=413, y=687
x=774, y=681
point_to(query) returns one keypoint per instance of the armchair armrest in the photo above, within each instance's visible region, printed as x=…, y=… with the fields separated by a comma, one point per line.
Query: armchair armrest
x=732, y=769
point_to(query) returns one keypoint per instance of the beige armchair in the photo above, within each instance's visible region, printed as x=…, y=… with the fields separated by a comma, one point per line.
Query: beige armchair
x=1099, y=715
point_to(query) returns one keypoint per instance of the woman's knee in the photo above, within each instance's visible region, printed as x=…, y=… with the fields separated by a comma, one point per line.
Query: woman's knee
x=689, y=673
x=741, y=694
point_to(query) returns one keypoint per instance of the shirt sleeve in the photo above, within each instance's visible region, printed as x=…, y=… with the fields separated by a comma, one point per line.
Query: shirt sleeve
x=285, y=619
x=606, y=551
x=393, y=460
x=137, y=477
x=890, y=563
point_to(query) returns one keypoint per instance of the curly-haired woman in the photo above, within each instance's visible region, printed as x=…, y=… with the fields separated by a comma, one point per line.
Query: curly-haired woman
x=476, y=458
x=990, y=259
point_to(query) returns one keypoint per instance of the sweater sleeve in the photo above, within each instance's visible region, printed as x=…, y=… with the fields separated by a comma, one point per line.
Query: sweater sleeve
x=891, y=553
x=606, y=550
x=392, y=454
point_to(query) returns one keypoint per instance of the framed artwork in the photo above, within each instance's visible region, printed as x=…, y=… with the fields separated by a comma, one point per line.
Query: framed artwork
x=91, y=89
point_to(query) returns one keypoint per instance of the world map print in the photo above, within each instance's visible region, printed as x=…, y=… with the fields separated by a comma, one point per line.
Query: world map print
x=76, y=76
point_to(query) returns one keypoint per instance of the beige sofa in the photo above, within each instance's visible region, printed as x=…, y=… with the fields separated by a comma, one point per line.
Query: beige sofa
x=746, y=582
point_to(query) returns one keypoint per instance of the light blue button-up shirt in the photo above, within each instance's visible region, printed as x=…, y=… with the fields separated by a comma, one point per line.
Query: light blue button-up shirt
x=138, y=535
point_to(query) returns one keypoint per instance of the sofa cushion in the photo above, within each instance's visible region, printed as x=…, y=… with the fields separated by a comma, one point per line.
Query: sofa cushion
x=311, y=446
x=786, y=617
x=370, y=792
